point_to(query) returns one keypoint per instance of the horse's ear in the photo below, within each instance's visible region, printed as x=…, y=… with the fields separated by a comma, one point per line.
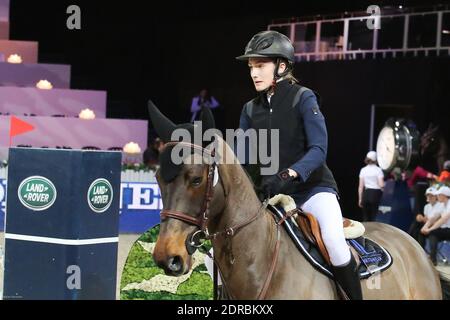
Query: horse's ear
x=163, y=126
x=207, y=119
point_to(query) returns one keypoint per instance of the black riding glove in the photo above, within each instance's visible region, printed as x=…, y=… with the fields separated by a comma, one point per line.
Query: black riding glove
x=277, y=184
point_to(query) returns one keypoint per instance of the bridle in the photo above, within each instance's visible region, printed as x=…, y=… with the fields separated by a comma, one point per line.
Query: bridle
x=198, y=237
x=201, y=221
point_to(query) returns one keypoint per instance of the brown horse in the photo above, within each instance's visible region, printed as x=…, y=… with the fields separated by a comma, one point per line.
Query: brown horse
x=245, y=256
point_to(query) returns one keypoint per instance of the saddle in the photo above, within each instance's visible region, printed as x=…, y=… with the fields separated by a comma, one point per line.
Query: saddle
x=309, y=225
x=311, y=230
x=304, y=230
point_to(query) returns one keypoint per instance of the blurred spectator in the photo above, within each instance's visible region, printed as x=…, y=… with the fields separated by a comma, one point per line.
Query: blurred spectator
x=371, y=184
x=438, y=227
x=204, y=99
x=151, y=154
x=418, y=182
x=444, y=176
x=432, y=209
x=158, y=145
x=150, y=158
x=418, y=174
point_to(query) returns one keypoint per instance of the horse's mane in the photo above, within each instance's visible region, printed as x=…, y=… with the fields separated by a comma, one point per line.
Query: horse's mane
x=227, y=154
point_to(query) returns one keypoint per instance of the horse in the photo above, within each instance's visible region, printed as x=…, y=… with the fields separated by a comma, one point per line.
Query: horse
x=433, y=143
x=257, y=259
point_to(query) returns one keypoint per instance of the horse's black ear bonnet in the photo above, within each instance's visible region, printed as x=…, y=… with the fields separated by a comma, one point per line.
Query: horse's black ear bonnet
x=164, y=128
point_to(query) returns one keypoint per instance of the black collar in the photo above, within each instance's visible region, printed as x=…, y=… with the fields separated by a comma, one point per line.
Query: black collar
x=281, y=89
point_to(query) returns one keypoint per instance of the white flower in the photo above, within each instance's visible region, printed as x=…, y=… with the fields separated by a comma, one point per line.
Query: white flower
x=87, y=114
x=14, y=58
x=44, y=84
x=132, y=148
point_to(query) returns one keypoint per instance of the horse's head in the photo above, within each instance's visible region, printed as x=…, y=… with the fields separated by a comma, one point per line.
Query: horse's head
x=184, y=189
x=429, y=139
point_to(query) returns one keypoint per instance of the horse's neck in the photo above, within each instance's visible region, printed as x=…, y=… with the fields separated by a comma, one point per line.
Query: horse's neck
x=242, y=202
x=251, y=247
x=245, y=259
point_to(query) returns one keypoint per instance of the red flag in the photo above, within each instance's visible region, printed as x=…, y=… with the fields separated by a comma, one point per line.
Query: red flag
x=18, y=126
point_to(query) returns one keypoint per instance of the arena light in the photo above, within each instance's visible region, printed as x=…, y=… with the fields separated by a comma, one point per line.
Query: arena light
x=132, y=148
x=44, y=85
x=14, y=58
x=86, y=114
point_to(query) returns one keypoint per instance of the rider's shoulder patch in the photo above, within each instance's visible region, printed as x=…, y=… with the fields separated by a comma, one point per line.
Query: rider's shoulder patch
x=315, y=110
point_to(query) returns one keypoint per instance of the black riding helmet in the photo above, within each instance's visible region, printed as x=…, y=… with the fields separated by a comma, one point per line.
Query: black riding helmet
x=270, y=44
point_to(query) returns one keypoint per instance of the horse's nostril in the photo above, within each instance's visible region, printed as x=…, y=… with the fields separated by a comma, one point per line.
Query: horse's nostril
x=175, y=264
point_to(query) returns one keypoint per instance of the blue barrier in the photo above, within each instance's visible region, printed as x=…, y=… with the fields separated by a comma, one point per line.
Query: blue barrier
x=395, y=207
x=61, y=232
x=140, y=205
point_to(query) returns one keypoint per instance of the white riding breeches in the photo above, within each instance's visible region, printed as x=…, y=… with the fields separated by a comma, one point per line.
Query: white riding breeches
x=325, y=208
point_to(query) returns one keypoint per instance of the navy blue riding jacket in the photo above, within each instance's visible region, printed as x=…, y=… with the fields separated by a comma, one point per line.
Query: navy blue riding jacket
x=303, y=136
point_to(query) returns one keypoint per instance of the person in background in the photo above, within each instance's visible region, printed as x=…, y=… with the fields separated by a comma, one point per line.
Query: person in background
x=150, y=158
x=370, y=189
x=438, y=227
x=417, y=183
x=151, y=154
x=444, y=176
x=432, y=209
x=204, y=99
x=158, y=145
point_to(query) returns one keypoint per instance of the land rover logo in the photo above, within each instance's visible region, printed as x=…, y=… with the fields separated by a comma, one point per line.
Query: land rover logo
x=37, y=193
x=100, y=195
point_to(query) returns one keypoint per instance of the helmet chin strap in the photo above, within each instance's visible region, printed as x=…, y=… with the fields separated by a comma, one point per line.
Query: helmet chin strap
x=277, y=76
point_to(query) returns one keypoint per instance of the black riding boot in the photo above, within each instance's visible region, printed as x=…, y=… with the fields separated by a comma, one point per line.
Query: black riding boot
x=348, y=278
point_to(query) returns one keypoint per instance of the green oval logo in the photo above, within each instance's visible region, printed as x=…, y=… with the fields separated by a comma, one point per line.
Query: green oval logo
x=37, y=193
x=100, y=195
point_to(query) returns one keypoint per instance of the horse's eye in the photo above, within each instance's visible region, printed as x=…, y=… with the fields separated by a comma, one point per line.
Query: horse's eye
x=196, y=181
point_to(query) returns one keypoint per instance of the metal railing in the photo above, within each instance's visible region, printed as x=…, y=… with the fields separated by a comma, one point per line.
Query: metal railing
x=371, y=36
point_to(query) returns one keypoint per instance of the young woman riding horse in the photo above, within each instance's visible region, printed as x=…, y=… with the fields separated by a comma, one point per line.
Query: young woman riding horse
x=304, y=174
x=256, y=258
x=245, y=237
